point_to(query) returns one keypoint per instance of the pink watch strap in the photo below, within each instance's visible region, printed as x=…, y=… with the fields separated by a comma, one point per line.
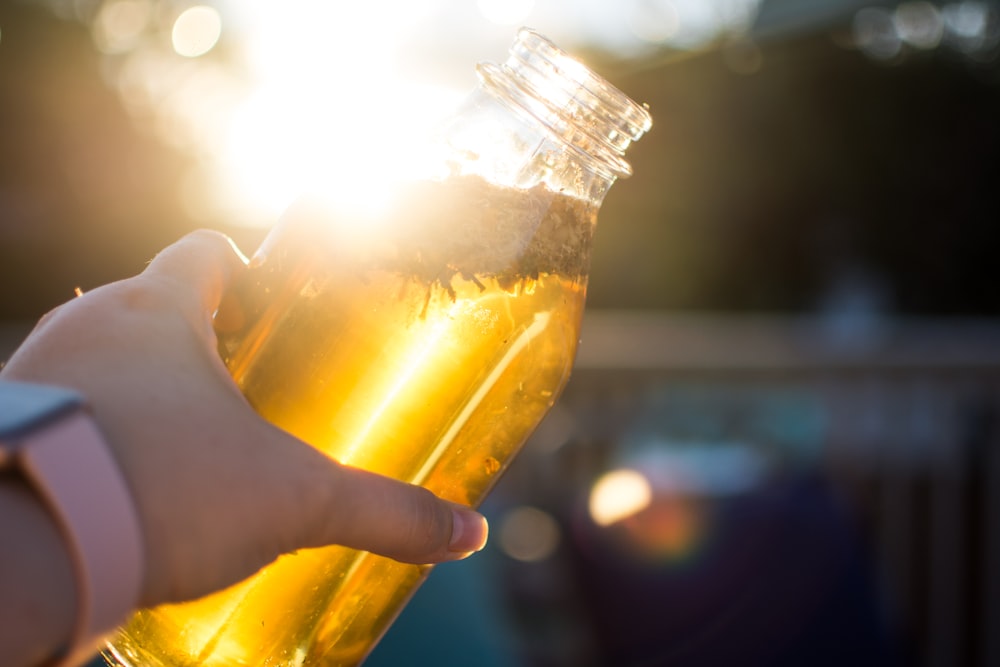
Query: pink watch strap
x=70, y=462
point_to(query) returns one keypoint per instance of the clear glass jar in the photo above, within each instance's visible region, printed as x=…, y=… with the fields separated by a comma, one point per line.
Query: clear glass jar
x=426, y=347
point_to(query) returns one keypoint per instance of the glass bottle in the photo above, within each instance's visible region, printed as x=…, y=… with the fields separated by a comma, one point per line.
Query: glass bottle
x=426, y=347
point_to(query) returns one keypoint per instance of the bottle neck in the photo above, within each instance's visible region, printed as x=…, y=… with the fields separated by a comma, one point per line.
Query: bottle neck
x=544, y=118
x=574, y=104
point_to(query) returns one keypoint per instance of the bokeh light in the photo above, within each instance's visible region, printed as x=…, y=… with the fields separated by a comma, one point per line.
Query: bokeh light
x=528, y=534
x=120, y=24
x=973, y=27
x=196, y=31
x=617, y=495
x=874, y=33
x=919, y=24
x=966, y=19
x=970, y=27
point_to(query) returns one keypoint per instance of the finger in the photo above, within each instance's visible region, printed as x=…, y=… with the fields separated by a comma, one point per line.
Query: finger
x=204, y=261
x=405, y=522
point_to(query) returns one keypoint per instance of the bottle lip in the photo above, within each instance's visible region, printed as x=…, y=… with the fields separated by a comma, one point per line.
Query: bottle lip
x=633, y=114
x=610, y=163
x=577, y=105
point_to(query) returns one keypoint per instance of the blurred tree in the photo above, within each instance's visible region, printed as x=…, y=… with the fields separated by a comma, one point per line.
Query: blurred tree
x=759, y=190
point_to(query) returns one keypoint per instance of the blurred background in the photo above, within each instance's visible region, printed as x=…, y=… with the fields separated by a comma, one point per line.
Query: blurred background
x=780, y=444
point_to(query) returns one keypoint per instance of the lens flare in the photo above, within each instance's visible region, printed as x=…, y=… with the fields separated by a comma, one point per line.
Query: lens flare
x=671, y=528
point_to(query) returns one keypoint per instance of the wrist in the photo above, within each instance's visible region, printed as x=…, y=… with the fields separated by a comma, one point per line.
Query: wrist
x=49, y=441
x=37, y=579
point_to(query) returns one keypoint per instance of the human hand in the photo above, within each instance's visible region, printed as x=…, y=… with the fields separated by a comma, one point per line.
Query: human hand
x=219, y=491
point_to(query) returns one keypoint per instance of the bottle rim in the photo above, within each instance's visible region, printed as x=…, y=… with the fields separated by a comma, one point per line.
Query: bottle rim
x=576, y=104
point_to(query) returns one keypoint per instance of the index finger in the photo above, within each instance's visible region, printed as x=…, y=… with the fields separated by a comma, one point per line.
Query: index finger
x=204, y=261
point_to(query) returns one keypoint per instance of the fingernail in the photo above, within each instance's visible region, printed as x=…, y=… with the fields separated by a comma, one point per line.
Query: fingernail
x=468, y=531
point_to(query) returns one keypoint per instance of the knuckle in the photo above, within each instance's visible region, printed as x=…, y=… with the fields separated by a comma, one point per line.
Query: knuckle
x=210, y=237
x=218, y=244
x=316, y=502
x=406, y=523
x=428, y=530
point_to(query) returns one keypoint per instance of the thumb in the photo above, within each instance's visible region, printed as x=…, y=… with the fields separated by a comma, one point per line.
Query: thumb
x=363, y=510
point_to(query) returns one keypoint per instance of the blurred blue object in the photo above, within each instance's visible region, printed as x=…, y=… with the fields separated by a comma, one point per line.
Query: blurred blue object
x=454, y=620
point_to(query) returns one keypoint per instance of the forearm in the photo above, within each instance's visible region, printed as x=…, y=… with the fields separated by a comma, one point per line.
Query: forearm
x=37, y=586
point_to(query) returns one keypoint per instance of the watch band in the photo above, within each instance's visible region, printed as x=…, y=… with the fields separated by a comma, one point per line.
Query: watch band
x=68, y=462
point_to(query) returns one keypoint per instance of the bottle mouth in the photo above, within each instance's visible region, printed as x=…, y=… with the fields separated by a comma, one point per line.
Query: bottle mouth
x=580, y=107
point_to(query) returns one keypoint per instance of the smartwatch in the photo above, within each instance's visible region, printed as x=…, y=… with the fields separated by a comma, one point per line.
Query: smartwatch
x=48, y=437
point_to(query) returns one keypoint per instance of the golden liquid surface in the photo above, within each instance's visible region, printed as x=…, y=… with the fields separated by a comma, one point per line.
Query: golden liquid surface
x=434, y=383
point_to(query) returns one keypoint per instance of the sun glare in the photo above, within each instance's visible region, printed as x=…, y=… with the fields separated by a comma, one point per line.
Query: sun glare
x=330, y=115
x=313, y=97
x=338, y=145
x=505, y=12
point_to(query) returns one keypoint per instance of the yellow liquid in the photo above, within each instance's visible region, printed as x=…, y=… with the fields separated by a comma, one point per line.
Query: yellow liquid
x=436, y=384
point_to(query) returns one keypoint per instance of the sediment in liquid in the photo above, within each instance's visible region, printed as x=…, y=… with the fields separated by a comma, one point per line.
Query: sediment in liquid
x=429, y=358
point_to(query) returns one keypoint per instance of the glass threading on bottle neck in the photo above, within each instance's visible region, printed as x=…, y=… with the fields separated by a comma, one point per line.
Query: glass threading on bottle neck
x=580, y=108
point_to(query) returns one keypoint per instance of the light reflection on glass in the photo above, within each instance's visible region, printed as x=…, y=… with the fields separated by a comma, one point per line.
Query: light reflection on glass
x=617, y=495
x=528, y=534
x=196, y=31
